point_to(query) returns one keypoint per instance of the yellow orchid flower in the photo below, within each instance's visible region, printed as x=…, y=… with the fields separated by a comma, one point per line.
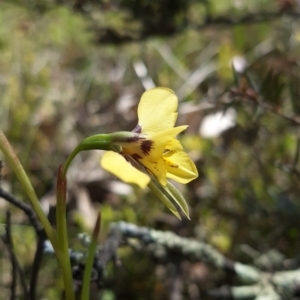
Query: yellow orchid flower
x=151, y=154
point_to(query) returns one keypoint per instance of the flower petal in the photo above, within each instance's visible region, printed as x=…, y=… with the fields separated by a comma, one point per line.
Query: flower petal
x=157, y=110
x=157, y=168
x=161, y=140
x=117, y=165
x=178, y=198
x=163, y=197
x=180, y=167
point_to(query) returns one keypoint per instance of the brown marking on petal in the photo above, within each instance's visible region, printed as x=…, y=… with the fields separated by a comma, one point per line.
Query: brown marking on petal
x=170, y=164
x=135, y=156
x=174, y=166
x=132, y=139
x=137, y=129
x=146, y=146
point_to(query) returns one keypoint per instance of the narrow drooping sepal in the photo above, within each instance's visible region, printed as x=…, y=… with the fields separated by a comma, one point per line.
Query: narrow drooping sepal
x=157, y=190
x=178, y=198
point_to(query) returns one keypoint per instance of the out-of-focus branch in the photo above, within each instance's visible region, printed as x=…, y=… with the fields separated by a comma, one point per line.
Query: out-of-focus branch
x=251, y=97
x=36, y=267
x=261, y=284
x=27, y=210
x=249, y=18
x=292, y=120
x=112, y=36
x=40, y=242
x=8, y=241
x=190, y=248
x=16, y=268
x=109, y=248
x=264, y=285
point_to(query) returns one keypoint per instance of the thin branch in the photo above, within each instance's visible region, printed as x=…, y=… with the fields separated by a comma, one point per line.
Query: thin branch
x=8, y=242
x=261, y=283
x=14, y=261
x=112, y=36
x=249, y=18
x=27, y=210
x=273, y=110
x=1, y=167
x=174, y=248
x=109, y=249
x=36, y=267
x=190, y=248
x=259, y=102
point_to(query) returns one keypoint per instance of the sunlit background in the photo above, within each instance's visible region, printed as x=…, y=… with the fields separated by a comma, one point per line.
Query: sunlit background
x=69, y=69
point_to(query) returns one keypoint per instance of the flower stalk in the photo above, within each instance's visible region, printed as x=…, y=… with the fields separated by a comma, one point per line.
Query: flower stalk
x=85, y=292
x=61, y=228
x=94, y=142
x=18, y=169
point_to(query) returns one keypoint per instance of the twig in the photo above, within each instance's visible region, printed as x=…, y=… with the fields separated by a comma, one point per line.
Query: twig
x=1, y=167
x=277, y=113
x=111, y=35
x=264, y=285
x=261, y=285
x=189, y=248
x=15, y=264
x=27, y=210
x=36, y=267
x=249, y=18
x=108, y=251
x=259, y=102
x=40, y=242
x=8, y=242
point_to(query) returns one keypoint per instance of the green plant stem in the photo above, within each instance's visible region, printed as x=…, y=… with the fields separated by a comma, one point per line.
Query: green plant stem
x=61, y=228
x=17, y=167
x=95, y=142
x=23, y=178
x=90, y=260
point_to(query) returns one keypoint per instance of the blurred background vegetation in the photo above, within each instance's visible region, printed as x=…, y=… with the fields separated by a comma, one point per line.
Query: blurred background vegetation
x=69, y=69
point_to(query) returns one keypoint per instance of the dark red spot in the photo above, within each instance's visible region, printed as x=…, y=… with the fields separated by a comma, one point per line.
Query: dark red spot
x=137, y=129
x=136, y=156
x=133, y=139
x=146, y=146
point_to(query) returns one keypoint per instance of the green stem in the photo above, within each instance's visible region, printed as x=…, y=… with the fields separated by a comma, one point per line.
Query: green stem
x=98, y=141
x=17, y=167
x=23, y=178
x=61, y=229
x=85, y=292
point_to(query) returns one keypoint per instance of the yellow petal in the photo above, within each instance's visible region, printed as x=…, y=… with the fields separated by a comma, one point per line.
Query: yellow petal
x=157, y=168
x=117, y=165
x=157, y=110
x=180, y=167
x=173, y=146
x=151, y=146
x=161, y=140
x=172, y=132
